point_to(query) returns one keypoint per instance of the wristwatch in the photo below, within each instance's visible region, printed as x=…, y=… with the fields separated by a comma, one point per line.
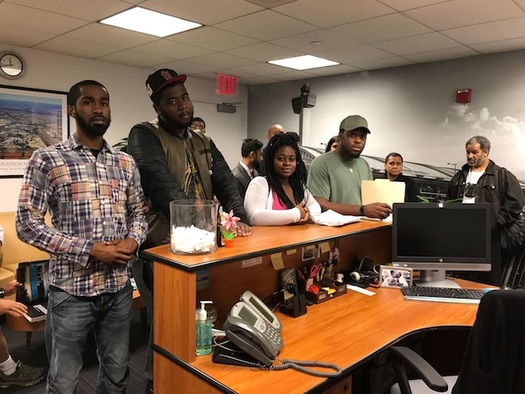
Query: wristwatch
x=2, y=293
x=362, y=210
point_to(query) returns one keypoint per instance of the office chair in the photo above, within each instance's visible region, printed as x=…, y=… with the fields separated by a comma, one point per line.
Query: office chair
x=494, y=358
x=514, y=270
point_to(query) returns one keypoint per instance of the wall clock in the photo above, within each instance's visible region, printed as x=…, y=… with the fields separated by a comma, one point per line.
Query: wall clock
x=11, y=65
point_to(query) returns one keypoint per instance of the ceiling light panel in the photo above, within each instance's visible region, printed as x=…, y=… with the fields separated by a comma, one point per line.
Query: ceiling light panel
x=149, y=22
x=305, y=62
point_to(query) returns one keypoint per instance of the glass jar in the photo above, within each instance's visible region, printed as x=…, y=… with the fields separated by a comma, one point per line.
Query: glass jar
x=193, y=226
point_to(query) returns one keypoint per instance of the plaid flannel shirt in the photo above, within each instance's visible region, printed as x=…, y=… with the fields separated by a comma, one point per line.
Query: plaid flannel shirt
x=89, y=200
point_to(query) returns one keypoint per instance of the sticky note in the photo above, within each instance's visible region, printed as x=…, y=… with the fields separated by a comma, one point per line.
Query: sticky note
x=277, y=261
x=291, y=251
x=325, y=247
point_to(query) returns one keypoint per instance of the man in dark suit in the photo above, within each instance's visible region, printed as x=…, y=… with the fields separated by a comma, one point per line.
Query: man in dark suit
x=245, y=171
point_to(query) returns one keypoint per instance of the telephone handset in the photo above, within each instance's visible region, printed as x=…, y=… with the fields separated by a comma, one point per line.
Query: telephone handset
x=249, y=327
x=260, y=307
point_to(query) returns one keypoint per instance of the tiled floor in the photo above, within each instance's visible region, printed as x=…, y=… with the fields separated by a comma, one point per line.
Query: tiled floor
x=88, y=377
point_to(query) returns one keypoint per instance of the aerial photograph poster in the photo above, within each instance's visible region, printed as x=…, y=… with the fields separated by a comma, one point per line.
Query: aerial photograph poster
x=29, y=119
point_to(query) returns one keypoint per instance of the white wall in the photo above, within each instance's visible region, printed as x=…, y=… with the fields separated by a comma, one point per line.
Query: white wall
x=129, y=101
x=411, y=109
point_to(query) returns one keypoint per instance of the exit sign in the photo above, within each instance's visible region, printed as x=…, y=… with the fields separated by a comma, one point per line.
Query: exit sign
x=226, y=85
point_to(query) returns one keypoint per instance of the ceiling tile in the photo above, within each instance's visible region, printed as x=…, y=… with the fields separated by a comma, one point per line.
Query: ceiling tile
x=381, y=29
x=520, y=3
x=187, y=67
x=293, y=75
x=415, y=44
x=263, y=69
x=263, y=52
x=321, y=13
x=266, y=25
x=97, y=10
x=206, y=12
x=270, y=3
x=22, y=36
x=171, y=49
x=513, y=44
x=334, y=70
x=383, y=63
x=222, y=60
x=110, y=35
x=487, y=32
x=327, y=39
x=442, y=54
x=356, y=53
x=73, y=46
x=212, y=38
x=403, y=5
x=457, y=13
x=134, y=58
x=46, y=21
x=241, y=36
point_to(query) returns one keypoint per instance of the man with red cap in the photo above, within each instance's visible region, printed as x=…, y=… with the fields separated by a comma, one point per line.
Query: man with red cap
x=177, y=163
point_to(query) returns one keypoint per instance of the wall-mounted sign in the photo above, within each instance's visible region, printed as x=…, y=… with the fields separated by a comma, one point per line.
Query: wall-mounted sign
x=226, y=85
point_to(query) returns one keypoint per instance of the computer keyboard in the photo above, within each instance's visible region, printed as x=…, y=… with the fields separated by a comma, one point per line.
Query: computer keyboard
x=442, y=294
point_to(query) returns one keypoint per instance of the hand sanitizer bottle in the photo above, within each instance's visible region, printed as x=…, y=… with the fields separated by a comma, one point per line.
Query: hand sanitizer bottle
x=203, y=331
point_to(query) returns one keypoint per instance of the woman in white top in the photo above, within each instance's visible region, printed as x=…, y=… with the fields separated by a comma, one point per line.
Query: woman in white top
x=281, y=197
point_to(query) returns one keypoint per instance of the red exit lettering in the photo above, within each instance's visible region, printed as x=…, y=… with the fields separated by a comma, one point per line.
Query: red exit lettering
x=226, y=85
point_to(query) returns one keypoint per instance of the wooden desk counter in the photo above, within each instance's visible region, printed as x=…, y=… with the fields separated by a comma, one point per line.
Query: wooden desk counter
x=346, y=331
x=263, y=241
x=175, y=291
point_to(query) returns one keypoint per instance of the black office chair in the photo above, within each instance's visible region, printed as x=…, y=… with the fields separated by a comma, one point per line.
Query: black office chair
x=514, y=270
x=494, y=358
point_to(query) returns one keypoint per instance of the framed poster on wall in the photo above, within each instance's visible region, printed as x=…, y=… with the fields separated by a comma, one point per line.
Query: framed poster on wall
x=29, y=119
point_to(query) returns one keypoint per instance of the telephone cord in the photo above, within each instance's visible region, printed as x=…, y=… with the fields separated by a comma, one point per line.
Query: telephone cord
x=301, y=366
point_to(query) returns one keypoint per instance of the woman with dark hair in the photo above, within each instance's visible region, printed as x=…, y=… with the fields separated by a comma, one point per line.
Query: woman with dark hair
x=332, y=143
x=281, y=197
x=393, y=171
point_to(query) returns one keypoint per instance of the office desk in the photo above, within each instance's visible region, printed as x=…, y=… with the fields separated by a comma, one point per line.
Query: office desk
x=346, y=330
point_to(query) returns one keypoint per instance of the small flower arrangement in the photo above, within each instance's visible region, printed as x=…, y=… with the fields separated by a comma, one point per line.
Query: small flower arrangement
x=229, y=225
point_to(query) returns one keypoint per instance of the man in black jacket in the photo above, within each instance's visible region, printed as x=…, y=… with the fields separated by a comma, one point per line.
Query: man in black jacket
x=176, y=163
x=481, y=180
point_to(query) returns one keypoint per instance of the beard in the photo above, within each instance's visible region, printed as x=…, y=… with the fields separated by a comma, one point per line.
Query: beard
x=93, y=130
x=475, y=163
x=354, y=155
x=174, y=123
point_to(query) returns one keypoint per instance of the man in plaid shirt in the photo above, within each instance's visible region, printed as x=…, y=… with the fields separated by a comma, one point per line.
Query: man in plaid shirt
x=97, y=209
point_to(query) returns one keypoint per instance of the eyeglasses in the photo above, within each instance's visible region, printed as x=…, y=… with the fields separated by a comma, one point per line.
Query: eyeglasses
x=470, y=190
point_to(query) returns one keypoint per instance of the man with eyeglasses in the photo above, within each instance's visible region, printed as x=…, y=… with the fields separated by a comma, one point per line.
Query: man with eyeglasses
x=198, y=124
x=481, y=180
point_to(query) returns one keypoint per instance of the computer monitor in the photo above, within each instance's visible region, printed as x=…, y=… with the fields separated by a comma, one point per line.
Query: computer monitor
x=436, y=237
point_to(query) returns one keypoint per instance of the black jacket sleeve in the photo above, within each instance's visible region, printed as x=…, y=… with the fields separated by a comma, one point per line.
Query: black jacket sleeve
x=158, y=183
x=513, y=201
x=225, y=185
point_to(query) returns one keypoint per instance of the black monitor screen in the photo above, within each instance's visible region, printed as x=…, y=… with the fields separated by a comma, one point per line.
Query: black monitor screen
x=442, y=236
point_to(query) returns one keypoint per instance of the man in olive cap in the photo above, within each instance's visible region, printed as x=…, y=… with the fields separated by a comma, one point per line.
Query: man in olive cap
x=334, y=178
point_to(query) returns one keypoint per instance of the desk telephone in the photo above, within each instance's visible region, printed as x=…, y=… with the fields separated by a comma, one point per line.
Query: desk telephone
x=253, y=327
